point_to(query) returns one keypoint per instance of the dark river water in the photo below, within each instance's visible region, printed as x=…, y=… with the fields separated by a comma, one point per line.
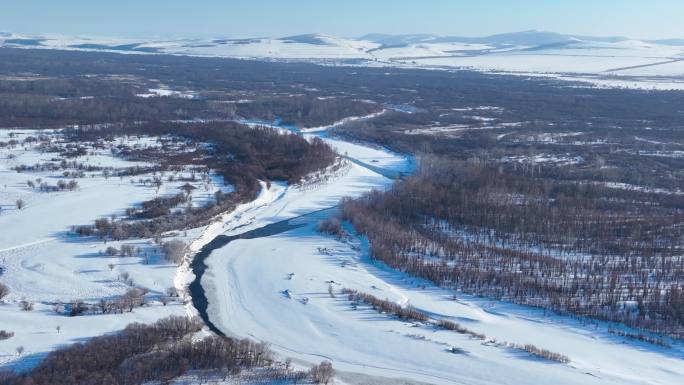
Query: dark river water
x=198, y=265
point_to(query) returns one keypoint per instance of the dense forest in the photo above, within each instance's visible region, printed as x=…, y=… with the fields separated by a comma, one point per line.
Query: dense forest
x=54, y=89
x=573, y=247
x=157, y=353
x=529, y=190
x=240, y=154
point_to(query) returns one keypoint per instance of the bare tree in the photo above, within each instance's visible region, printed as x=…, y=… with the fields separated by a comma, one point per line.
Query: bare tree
x=127, y=250
x=132, y=298
x=322, y=373
x=77, y=308
x=4, y=335
x=26, y=305
x=174, y=251
x=4, y=291
x=111, y=251
x=172, y=292
x=72, y=185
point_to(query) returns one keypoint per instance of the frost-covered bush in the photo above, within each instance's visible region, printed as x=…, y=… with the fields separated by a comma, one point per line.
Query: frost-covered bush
x=332, y=226
x=174, y=251
x=322, y=373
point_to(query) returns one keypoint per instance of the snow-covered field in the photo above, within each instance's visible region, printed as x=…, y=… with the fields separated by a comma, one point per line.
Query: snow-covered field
x=42, y=263
x=275, y=289
x=252, y=295
x=36, y=331
x=614, y=62
x=369, y=155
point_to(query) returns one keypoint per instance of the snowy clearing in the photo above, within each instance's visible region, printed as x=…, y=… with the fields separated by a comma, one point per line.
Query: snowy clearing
x=43, y=264
x=620, y=62
x=275, y=289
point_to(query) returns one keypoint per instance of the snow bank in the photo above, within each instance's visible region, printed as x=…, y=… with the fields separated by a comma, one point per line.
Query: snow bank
x=248, y=277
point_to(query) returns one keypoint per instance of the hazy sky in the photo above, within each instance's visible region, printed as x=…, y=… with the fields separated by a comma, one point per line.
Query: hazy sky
x=195, y=18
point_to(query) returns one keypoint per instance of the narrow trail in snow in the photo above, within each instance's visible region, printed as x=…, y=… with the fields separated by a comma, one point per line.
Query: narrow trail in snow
x=18, y=247
x=389, y=174
x=643, y=65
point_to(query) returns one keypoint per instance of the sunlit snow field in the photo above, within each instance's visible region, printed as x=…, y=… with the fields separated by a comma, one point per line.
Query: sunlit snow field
x=275, y=289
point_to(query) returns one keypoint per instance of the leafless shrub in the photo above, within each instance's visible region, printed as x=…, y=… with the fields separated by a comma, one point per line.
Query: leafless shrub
x=125, y=277
x=453, y=326
x=174, y=251
x=172, y=292
x=541, y=353
x=407, y=313
x=127, y=250
x=141, y=354
x=26, y=305
x=322, y=373
x=332, y=226
x=4, y=335
x=77, y=308
x=4, y=291
x=641, y=337
x=386, y=306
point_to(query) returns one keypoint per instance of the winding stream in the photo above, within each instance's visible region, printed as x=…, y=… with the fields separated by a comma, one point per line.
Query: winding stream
x=198, y=264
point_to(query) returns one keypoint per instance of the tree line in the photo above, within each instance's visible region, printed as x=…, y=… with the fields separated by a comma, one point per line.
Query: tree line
x=572, y=247
x=240, y=154
x=159, y=353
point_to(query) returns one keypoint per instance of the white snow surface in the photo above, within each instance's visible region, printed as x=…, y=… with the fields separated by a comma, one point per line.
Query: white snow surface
x=368, y=154
x=37, y=331
x=598, y=62
x=275, y=289
x=247, y=278
x=42, y=263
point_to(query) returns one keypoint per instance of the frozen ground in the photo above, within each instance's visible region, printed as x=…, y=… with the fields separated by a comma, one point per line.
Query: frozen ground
x=45, y=264
x=618, y=62
x=36, y=331
x=42, y=263
x=372, y=157
x=252, y=295
x=275, y=289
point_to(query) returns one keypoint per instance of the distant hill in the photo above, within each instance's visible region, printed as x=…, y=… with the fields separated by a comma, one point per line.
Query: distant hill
x=531, y=51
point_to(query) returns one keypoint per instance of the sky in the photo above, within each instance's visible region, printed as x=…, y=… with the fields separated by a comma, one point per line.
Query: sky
x=641, y=19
